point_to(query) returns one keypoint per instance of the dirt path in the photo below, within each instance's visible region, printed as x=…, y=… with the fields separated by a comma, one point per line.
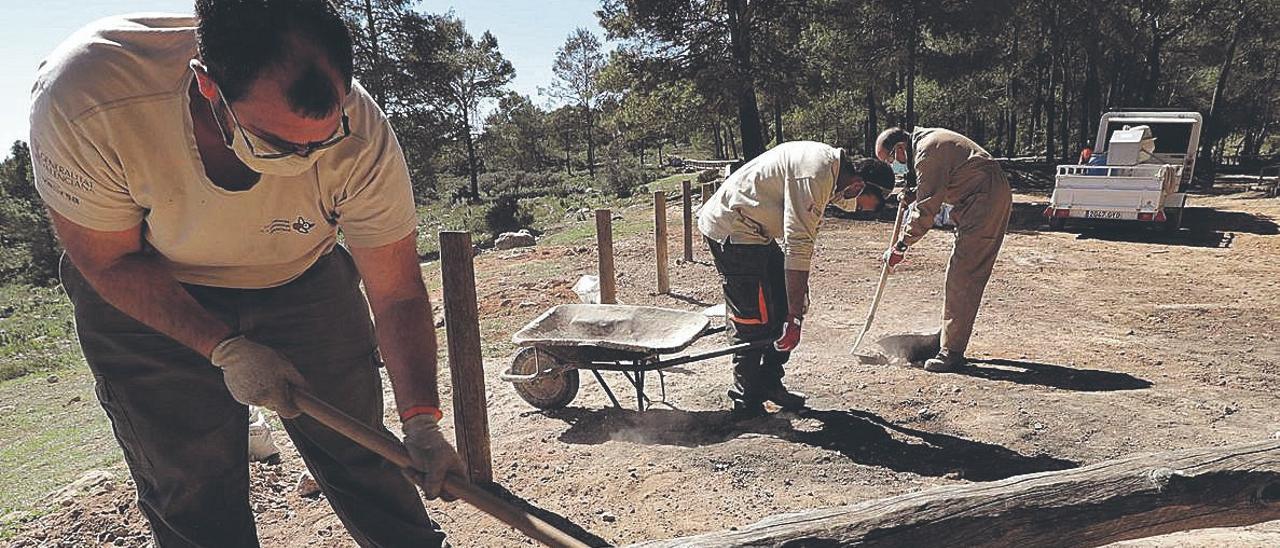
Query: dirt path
x=1094, y=346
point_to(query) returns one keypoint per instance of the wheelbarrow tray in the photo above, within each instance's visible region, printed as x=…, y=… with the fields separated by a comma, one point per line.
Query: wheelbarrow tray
x=628, y=330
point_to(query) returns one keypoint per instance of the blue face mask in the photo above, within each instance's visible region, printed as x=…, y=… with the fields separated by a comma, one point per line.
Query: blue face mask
x=899, y=168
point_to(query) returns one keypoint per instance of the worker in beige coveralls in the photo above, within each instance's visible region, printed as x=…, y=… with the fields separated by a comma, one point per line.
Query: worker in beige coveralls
x=950, y=168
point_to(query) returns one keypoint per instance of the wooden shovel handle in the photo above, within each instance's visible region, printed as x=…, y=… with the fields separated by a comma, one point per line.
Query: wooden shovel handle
x=392, y=450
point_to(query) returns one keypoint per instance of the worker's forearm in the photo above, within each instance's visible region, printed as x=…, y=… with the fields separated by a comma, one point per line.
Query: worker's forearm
x=142, y=287
x=407, y=340
x=797, y=292
x=920, y=220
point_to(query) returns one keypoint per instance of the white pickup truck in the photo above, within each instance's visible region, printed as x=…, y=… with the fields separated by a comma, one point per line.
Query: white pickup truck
x=1137, y=171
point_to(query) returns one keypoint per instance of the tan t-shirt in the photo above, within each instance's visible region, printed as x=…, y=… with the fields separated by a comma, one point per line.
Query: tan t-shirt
x=778, y=196
x=112, y=146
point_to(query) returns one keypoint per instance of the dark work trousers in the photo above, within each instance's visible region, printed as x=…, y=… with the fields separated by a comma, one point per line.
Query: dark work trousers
x=186, y=440
x=755, y=297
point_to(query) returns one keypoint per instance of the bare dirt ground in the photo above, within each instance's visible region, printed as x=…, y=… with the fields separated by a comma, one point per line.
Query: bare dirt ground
x=1093, y=344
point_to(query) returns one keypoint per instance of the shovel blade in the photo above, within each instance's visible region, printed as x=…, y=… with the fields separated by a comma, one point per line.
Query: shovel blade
x=910, y=347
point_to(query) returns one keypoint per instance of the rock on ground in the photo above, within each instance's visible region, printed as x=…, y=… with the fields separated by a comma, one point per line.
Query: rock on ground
x=512, y=240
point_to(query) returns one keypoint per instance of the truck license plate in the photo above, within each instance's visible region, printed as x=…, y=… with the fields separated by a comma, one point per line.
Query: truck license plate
x=1101, y=214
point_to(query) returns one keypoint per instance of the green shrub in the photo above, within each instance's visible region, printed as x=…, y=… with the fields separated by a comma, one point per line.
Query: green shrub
x=506, y=215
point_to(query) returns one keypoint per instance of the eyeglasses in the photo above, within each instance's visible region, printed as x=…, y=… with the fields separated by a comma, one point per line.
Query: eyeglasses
x=264, y=149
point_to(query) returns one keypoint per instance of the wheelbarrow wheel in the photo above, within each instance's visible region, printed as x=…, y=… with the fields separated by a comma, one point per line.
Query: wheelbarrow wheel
x=550, y=389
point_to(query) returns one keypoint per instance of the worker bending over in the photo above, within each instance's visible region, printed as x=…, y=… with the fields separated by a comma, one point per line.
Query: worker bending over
x=950, y=168
x=761, y=226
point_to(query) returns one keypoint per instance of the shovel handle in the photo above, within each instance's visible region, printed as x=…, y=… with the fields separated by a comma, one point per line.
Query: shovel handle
x=884, y=277
x=392, y=450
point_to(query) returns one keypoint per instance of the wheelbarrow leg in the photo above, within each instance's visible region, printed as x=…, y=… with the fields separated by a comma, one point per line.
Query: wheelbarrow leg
x=605, y=386
x=640, y=390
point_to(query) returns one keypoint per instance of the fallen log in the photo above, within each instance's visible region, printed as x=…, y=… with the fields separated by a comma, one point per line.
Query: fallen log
x=1107, y=502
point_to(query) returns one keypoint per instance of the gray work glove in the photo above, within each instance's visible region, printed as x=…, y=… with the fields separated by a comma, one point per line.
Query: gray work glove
x=258, y=375
x=433, y=457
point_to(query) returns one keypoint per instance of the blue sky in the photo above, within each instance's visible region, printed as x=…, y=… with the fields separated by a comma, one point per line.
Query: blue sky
x=528, y=31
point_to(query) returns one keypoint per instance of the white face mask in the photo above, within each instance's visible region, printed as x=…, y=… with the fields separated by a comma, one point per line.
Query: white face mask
x=845, y=202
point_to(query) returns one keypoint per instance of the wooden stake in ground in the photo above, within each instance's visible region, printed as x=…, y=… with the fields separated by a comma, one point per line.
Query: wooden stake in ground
x=686, y=196
x=466, y=368
x=604, y=245
x=707, y=190
x=660, y=240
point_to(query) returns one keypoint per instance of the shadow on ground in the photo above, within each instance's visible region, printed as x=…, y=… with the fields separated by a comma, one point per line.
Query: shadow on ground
x=913, y=349
x=1201, y=227
x=861, y=436
x=1056, y=376
x=560, y=522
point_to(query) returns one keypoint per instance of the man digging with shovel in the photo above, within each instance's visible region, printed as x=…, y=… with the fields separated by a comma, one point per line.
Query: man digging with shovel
x=950, y=168
x=761, y=226
x=197, y=172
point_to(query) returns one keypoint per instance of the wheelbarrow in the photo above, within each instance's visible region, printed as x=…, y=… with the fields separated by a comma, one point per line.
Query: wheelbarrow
x=632, y=340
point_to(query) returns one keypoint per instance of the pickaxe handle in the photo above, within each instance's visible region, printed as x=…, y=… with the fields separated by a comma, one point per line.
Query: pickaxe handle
x=392, y=450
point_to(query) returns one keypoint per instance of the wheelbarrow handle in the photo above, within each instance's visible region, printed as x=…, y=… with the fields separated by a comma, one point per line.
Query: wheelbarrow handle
x=392, y=450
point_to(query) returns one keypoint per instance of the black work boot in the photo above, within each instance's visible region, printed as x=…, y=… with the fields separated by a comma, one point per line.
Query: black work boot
x=945, y=361
x=788, y=400
x=745, y=407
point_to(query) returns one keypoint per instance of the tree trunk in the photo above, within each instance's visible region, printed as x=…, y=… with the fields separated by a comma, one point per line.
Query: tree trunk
x=1012, y=136
x=1089, y=114
x=1128, y=498
x=568, y=155
x=1211, y=132
x=912, y=41
x=1064, y=115
x=591, y=144
x=869, y=136
x=471, y=160
x=377, y=88
x=777, y=121
x=733, y=144
x=1153, y=63
x=744, y=80
x=1050, y=115
x=720, y=153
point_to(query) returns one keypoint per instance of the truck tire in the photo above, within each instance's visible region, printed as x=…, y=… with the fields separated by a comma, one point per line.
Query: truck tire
x=1057, y=224
x=1173, y=219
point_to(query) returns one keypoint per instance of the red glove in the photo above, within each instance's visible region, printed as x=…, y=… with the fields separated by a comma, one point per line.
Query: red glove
x=896, y=254
x=790, y=334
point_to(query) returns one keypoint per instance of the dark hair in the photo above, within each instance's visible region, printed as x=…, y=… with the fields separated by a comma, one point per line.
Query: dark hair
x=878, y=175
x=890, y=138
x=239, y=39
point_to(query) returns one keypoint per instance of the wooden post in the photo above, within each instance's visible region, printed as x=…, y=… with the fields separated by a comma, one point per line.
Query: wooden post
x=686, y=188
x=660, y=240
x=604, y=243
x=707, y=189
x=466, y=367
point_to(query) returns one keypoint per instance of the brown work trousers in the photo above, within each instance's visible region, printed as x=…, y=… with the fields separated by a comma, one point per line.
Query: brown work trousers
x=982, y=218
x=186, y=440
